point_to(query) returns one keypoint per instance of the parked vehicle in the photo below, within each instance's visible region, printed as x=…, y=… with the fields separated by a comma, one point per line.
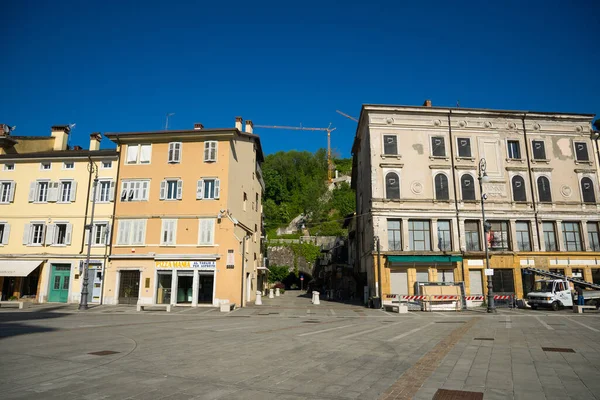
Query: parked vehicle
x=556, y=293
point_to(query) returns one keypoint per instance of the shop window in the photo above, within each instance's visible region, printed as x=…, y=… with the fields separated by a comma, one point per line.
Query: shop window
x=472, y=236
x=419, y=235
x=550, y=236
x=445, y=275
x=587, y=190
x=544, y=193
x=467, y=184
x=392, y=186
x=571, y=236
x=518, y=188
x=441, y=187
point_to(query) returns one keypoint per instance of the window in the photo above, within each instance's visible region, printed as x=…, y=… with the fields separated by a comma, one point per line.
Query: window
x=518, y=188
x=544, y=193
x=34, y=234
x=100, y=234
x=441, y=187
x=175, y=152
x=138, y=154
x=467, y=184
x=206, y=231
x=45, y=165
x=571, y=236
x=550, y=236
x=208, y=189
x=106, y=164
x=445, y=275
x=105, y=191
x=419, y=235
x=587, y=190
x=581, y=152
x=514, y=150
x=7, y=192
x=68, y=165
x=135, y=190
x=66, y=192
x=593, y=236
x=168, y=232
x=245, y=200
x=59, y=234
x=392, y=186
x=539, y=150
x=257, y=201
x=523, y=236
x=438, y=146
x=40, y=192
x=131, y=232
x=171, y=189
x=210, y=151
x=499, y=236
x=444, y=237
x=390, y=144
x=9, y=167
x=464, y=147
x=394, y=234
x=472, y=236
x=4, y=232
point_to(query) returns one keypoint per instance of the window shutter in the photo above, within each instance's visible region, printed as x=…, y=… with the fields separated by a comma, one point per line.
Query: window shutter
x=132, y=152
x=26, y=233
x=210, y=228
x=178, y=147
x=200, y=190
x=139, y=228
x=163, y=189
x=69, y=233
x=50, y=234
x=171, y=151
x=32, y=187
x=144, y=191
x=206, y=151
x=52, y=195
x=11, y=194
x=44, y=232
x=145, y=152
x=217, y=188
x=73, y=190
x=213, y=151
x=111, y=192
x=179, y=189
x=122, y=232
x=6, y=234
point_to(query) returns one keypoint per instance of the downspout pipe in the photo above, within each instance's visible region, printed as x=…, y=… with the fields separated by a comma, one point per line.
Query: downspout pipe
x=455, y=186
x=531, y=185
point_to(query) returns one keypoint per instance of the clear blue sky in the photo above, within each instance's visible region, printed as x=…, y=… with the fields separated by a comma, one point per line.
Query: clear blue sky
x=109, y=66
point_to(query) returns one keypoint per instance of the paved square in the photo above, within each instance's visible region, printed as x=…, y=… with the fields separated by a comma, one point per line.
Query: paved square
x=290, y=349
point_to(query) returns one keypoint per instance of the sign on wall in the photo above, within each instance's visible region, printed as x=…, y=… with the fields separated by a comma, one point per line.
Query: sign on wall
x=203, y=265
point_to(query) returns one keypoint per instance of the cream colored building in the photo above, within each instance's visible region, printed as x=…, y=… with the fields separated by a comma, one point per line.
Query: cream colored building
x=188, y=217
x=45, y=203
x=415, y=173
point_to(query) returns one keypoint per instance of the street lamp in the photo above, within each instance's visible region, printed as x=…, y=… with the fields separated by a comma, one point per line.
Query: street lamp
x=484, y=178
x=83, y=301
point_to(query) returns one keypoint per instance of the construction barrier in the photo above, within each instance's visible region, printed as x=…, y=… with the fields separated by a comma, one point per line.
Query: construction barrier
x=505, y=300
x=448, y=302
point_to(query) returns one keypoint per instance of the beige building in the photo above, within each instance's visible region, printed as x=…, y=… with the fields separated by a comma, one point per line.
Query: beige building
x=188, y=217
x=45, y=203
x=415, y=173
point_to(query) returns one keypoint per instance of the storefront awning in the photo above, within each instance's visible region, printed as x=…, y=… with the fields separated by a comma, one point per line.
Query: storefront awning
x=424, y=259
x=18, y=267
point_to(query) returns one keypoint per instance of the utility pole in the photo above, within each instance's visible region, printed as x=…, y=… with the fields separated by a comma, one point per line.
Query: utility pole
x=83, y=301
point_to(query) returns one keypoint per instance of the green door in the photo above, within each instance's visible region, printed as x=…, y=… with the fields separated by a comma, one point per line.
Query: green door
x=59, y=283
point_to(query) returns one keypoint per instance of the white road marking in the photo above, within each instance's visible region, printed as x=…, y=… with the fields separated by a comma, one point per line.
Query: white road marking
x=543, y=323
x=332, y=312
x=443, y=315
x=370, y=330
x=385, y=312
x=207, y=311
x=233, y=329
x=326, y=330
x=410, y=332
x=582, y=324
x=212, y=326
x=508, y=323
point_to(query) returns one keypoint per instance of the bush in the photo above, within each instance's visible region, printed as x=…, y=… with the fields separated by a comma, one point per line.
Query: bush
x=278, y=273
x=279, y=286
x=11, y=298
x=294, y=286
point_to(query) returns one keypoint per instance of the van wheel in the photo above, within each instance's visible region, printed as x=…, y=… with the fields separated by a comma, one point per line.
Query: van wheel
x=555, y=306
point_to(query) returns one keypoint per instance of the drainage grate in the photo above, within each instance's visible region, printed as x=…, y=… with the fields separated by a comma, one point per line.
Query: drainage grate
x=104, y=353
x=310, y=321
x=444, y=394
x=558, y=349
x=483, y=338
x=450, y=322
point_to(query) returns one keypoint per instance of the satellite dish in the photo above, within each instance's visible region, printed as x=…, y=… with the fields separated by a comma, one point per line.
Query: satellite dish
x=6, y=129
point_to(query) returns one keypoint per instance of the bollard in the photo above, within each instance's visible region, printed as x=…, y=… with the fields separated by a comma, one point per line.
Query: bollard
x=312, y=300
x=316, y=300
x=271, y=294
x=258, y=301
x=277, y=293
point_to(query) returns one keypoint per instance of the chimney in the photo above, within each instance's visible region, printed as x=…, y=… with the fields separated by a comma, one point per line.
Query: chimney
x=249, y=126
x=198, y=126
x=427, y=103
x=95, y=139
x=238, y=123
x=77, y=148
x=60, y=133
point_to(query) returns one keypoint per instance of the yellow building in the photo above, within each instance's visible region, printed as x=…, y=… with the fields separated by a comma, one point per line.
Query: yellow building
x=188, y=217
x=45, y=203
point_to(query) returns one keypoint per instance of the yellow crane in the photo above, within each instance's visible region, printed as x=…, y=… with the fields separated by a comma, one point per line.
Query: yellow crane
x=346, y=115
x=329, y=129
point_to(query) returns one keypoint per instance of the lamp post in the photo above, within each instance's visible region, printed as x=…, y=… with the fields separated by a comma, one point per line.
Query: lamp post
x=484, y=178
x=83, y=301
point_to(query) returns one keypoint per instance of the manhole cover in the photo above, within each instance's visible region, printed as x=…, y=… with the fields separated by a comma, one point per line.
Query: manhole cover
x=450, y=322
x=103, y=353
x=483, y=338
x=444, y=394
x=310, y=322
x=558, y=349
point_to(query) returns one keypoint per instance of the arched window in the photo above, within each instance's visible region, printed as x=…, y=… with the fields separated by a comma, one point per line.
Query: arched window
x=518, y=188
x=441, y=187
x=392, y=186
x=587, y=190
x=544, y=189
x=467, y=185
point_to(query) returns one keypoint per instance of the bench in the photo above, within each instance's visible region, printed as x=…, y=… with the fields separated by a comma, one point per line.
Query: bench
x=12, y=303
x=227, y=307
x=167, y=307
x=579, y=309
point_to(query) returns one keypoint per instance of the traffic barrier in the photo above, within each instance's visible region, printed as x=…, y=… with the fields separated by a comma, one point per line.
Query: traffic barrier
x=474, y=298
x=504, y=300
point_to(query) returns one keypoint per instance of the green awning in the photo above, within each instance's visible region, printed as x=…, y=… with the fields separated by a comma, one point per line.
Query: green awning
x=424, y=259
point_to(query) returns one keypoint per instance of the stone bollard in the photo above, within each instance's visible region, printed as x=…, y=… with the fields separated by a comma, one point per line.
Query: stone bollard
x=258, y=301
x=271, y=294
x=277, y=293
x=316, y=300
x=312, y=300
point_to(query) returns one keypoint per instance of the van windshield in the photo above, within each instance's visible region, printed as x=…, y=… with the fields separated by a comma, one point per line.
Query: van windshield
x=543, y=286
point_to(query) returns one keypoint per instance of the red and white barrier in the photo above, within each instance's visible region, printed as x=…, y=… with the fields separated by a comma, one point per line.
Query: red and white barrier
x=414, y=297
x=444, y=297
x=497, y=297
x=474, y=298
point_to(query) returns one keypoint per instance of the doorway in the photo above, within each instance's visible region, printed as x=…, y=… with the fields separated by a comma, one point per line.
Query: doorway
x=59, y=283
x=503, y=281
x=129, y=288
x=8, y=287
x=248, y=286
x=185, y=284
x=163, y=291
x=205, y=289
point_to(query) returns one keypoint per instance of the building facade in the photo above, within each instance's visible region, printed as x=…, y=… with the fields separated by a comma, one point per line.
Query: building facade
x=188, y=217
x=415, y=172
x=45, y=204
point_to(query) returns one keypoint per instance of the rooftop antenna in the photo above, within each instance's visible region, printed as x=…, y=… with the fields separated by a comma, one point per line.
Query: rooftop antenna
x=71, y=127
x=167, y=123
x=457, y=103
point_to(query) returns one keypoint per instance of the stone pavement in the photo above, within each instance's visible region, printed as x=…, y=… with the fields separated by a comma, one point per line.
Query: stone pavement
x=291, y=349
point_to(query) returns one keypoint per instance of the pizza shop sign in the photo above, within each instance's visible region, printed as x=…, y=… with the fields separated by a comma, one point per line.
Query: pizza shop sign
x=203, y=265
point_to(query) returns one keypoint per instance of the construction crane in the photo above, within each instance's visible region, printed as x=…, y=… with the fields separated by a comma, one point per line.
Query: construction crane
x=346, y=115
x=329, y=129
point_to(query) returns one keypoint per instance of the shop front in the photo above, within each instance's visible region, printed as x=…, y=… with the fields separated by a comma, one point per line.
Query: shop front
x=404, y=273
x=185, y=283
x=19, y=279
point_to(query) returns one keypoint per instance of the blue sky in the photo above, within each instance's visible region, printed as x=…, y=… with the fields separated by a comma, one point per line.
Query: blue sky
x=116, y=66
